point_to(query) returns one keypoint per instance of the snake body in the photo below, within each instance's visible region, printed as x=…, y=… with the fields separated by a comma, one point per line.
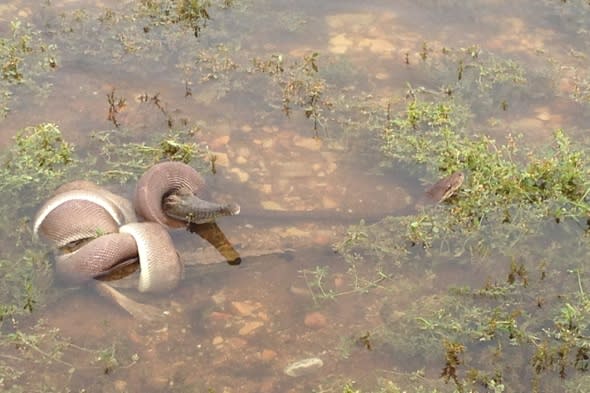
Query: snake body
x=95, y=231
x=161, y=181
x=160, y=266
x=101, y=254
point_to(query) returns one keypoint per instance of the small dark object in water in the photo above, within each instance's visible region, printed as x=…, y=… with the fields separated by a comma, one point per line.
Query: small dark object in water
x=445, y=188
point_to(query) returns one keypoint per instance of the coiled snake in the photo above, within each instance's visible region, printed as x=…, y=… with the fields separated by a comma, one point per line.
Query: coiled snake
x=96, y=232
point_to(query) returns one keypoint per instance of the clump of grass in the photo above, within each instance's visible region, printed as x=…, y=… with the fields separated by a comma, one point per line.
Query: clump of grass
x=38, y=160
x=301, y=86
x=24, y=57
x=43, y=348
x=192, y=13
x=125, y=160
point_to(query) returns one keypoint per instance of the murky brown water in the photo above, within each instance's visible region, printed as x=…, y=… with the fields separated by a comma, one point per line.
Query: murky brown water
x=234, y=328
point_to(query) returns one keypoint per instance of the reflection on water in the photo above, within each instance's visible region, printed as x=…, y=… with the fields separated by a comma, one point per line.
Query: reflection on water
x=293, y=132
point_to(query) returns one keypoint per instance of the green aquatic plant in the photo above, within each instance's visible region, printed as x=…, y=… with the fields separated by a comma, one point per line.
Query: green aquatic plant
x=123, y=159
x=41, y=347
x=192, y=13
x=38, y=157
x=24, y=58
x=37, y=162
x=301, y=85
x=480, y=79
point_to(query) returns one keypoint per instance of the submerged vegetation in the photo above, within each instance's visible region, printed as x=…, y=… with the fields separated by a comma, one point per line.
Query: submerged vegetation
x=24, y=58
x=519, y=223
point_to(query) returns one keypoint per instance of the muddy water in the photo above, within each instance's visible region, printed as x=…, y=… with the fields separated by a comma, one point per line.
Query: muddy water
x=234, y=328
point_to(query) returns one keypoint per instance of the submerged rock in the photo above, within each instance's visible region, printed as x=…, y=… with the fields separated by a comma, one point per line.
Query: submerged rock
x=303, y=367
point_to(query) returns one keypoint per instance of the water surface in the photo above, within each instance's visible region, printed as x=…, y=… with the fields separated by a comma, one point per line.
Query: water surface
x=234, y=328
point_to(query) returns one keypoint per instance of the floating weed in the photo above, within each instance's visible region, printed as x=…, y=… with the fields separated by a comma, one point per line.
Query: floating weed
x=107, y=359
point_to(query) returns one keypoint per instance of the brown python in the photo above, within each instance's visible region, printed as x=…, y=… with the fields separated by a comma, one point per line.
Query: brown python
x=95, y=231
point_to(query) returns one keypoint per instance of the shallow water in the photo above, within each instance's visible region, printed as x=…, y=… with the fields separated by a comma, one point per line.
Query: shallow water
x=234, y=328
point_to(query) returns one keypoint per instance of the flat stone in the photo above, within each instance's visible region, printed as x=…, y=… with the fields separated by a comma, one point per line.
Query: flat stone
x=340, y=40
x=243, y=308
x=244, y=151
x=237, y=342
x=219, y=142
x=120, y=385
x=250, y=327
x=218, y=297
x=295, y=232
x=315, y=320
x=219, y=316
x=382, y=47
x=243, y=176
x=267, y=143
x=262, y=316
x=271, y=205
x=329, y=203
x=299, y=291
x=267, y=355
x=221, y=159
x=313, y=144
x=322, y=237
x=543, y=114
x=338, y=50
